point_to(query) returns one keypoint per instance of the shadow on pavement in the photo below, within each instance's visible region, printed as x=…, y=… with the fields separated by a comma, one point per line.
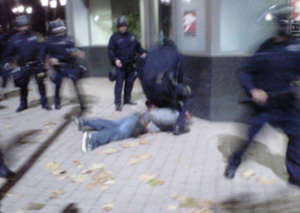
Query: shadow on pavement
x=257, y=152
x=245, y=203
x=43, y=148
x=71, y=208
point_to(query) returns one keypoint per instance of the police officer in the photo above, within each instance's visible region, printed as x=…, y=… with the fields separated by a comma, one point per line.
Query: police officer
x=3, y=66
x=25, y=53
x=267, y=80
x=63, y=55
x=122, y=50
x=162, y=80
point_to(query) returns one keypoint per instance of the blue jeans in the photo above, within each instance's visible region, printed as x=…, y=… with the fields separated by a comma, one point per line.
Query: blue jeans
x=108, y=131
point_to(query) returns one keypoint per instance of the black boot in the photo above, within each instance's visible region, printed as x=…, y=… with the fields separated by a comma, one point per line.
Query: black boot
x=57, y=106
x=230, y=171
x=181, y=130
x=46, y=107
x=130, y=103
x=5, y=172
x=21, y=108
x=118, y=107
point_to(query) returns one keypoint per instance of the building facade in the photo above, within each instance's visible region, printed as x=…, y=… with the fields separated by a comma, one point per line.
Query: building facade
x=215, y=37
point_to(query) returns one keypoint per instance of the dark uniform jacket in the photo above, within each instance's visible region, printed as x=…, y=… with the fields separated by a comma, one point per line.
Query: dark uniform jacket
x=61, y=47
x=159, y=64
x=272, y=68
x=124, y=47
x=24, y=47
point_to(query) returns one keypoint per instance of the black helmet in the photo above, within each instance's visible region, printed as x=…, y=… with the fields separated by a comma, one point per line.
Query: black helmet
x=122, y=21
x=23, y=20
x=56, y=25
x=281, y=15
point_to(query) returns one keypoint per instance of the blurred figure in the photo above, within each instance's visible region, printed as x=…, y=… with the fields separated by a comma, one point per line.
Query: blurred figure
x=162, y=80
x=122, y=50
x=4, y=68
x=25, y=55
x=4, y=171
x=267, y=80
x=106, y=131
x=63, y=55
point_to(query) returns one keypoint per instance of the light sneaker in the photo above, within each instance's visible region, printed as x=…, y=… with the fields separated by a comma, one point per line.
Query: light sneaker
x=86, y=145
x=78, y=122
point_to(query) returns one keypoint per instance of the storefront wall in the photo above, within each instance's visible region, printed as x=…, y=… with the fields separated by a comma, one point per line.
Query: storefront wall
x=216, y=38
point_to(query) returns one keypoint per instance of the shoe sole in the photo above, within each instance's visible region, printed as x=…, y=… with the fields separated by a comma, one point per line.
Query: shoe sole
x=84, y=143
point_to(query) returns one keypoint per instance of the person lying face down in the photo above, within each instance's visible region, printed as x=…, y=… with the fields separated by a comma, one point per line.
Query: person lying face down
x=106, y=131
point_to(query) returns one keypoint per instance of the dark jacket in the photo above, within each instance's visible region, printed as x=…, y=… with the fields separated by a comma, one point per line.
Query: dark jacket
x=24, y=47
x=123, y=47
x=61, y=47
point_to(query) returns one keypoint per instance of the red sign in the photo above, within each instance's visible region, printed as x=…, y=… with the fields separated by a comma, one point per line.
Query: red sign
x=296, y=10
x=190, y=23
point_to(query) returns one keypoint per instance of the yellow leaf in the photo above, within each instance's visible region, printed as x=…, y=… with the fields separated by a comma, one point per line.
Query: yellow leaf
x=145, y=156
x=34, y=206
x=96, y=166
x=207, y=204
x=145, y=142
x=62, y=177
x=93, y=185
x=50, y=124
x=59, y=171
x=146, y=177
x=172, y=207
x=59, y=192
x=109, y=151
x=104, y=188
x=52, y=165
x=130, y=144
x=264, y=181
x=108, y=207
x=247, y=174
x=179, y=197
x=134, y=161
x=79, y=178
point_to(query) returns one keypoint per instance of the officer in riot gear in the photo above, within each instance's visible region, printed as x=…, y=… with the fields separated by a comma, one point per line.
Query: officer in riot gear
x=122, y=49
x=63, y=54
x=4, y=68
x=267, y=79
x=162, y=79
x=25, y=53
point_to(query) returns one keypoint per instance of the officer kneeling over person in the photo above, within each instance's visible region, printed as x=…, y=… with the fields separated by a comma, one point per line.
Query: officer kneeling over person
x=63, y=55
x=25, y=54
x=122, y=50
x=162, y=81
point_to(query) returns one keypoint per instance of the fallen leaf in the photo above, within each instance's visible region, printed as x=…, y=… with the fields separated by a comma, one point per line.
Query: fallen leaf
x=59, y=192
x=108, y=207
x=51, y=131
x=179, y=197
x=104, y=188
x=109, y=182
x=264, y=181
x=9, y=126
x=134, y=161
x=19, y=211
x=93, y=185
x=34, y=206
x=130, y=144
x=142, y=136
x=62, y=177
x=145, y=156
x=155, y=182
x=50, y=124
x=247, y=174
x=59, y=171
x=77, y=164
x=52, y=165
x=189, y=203
x=103, y=177
x=79, y=178
x=172, y=207
x=109, y=151
x=96, y=166
x=145, y=142
x=146, y=177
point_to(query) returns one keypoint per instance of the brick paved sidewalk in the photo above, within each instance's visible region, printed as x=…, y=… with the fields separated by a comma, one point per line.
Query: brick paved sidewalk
x=154, y=173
